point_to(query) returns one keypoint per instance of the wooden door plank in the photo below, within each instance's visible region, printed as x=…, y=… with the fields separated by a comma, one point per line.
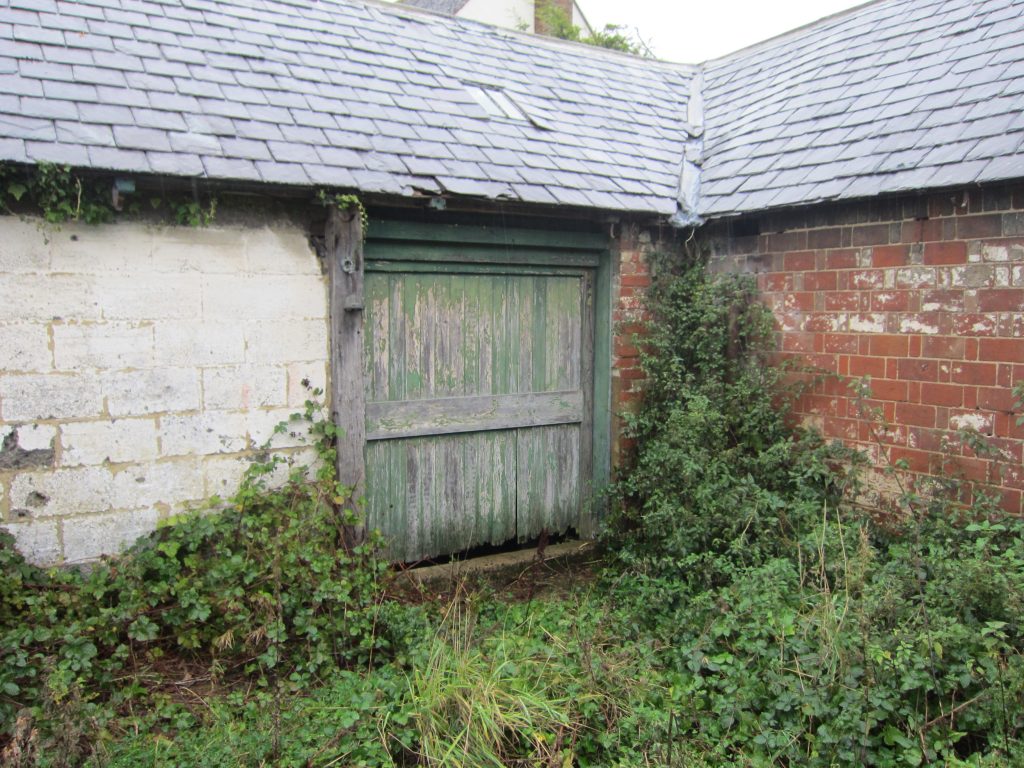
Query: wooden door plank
x=443, y=494
x=508, y=239
x=547, y=480
x=471, y=413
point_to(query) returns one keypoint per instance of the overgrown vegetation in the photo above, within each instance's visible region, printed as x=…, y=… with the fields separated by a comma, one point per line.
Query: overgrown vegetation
x=749, y=614
x=59, y=195
x=557, y=23
x=263, y=589
x=803, y=632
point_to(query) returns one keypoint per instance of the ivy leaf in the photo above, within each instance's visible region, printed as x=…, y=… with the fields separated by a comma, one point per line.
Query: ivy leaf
x=16, y=190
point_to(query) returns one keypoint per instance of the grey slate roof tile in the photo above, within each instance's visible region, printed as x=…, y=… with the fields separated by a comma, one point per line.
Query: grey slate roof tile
x=175, y=163
x=117, y=159
x=344, y=94
x=931, y=95
x=373, y=97
x=50, y=152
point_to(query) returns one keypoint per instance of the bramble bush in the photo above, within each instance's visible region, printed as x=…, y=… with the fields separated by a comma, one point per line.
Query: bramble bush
x=799, y=630
x=267, y=587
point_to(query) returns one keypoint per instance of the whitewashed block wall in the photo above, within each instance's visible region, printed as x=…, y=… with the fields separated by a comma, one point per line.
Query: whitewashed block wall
x=140, y=367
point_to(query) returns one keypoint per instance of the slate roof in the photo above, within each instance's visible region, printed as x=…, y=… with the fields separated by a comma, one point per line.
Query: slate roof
x=892, y=96
x=339, y=93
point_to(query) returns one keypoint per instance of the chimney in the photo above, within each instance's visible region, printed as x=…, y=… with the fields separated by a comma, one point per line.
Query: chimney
x=542, y=20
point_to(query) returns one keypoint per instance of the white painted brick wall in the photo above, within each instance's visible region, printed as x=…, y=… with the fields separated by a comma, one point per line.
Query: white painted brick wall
x=142, y=367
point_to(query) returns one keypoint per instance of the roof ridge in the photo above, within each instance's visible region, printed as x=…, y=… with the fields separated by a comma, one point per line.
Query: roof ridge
x=400, y=9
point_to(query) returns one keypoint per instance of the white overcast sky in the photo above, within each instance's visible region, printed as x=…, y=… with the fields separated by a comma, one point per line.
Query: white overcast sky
x=693, y=31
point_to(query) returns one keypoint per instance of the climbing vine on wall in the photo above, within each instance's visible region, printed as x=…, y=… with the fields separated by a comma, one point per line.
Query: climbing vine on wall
x=345, y=202
x=60, y=195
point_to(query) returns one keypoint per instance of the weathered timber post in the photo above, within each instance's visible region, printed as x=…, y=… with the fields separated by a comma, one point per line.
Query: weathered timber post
x=343, y=238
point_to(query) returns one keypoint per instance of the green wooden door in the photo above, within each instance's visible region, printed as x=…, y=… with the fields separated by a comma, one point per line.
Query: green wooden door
x=479, y=381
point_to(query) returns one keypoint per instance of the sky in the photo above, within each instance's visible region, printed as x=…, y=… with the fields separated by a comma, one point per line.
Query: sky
x=693, y=31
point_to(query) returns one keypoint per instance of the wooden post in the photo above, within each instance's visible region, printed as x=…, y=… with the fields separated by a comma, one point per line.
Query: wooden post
x=344, y=241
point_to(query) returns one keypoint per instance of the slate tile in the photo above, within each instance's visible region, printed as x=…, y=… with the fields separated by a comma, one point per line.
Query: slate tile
x=133, y=137
x=223, y=108
x=1006, y=167
x=44, y=70
x=432, y=149
x=340, y=156
x=175, y=163
x=311, y=119
x=282, y=173
x=357, y=141
x=122, y=96
x=231, y=168
x=996, y=146
x=330, y=176
x=50, y=152
x=64, y=55
x=34, y=34
x=290, y=152
x=30, y=106
x=245, y=148
x=53, y=89
x=155, y=66
x=386, y=183
x=146, y=82
x=197, y=88
x=195, y=143
x=118, y=159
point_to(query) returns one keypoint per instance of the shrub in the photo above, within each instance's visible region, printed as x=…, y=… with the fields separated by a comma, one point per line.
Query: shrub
x=266, y=586
x=719, y=477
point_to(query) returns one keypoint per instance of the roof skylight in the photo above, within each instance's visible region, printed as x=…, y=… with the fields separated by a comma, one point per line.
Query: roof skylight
x=496, y=103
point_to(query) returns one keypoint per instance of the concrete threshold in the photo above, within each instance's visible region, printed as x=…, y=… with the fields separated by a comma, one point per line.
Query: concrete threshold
x=504, y=565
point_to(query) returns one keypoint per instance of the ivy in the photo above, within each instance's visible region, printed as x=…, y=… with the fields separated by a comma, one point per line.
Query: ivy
x=345, y=202
x=60, y=196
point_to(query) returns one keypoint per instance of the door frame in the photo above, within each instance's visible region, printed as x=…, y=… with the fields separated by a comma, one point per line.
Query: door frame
x=477, y=247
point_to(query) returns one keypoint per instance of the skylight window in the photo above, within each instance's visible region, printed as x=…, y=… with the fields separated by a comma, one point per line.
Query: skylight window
x=496, y=103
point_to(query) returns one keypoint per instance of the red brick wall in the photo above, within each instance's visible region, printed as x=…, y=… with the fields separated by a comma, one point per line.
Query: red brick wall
x=924, y=295
x=628, y=314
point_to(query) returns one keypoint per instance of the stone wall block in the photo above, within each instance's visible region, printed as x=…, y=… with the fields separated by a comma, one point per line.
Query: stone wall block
x=48, y=297
x=262, y=425
x=144, y=296
x=105, y=345
x=37, y=397
x=87, y=538
x=159, y=390
x=211, y=250
x=37, y=540
x=90, y=250
x=242, y=387
x=286, y=342
x=24, y=247
x=109, y=441
x=206, y=433
x=60, y=492
x=193, y=343
x=282, y=252
x=315, y=374
x=166, y=482
x=25, y=347
x=263, y=297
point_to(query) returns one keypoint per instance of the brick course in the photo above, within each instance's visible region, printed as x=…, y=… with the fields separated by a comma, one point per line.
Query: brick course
x=923, y=298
